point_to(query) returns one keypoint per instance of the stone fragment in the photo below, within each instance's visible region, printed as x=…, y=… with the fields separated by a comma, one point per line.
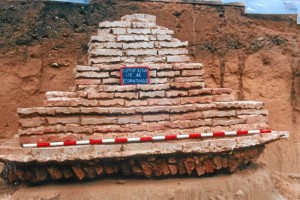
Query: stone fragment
x=107, y=24
x=54, y=173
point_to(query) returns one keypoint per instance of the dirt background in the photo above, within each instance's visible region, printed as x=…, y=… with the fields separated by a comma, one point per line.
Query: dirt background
x=257, y=56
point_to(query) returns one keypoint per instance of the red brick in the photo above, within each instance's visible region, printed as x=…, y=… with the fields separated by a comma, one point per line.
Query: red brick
x=87, y=81
x=187, y=85
x=111, y=128
x=192, y=73
x=130, y=119
x=221, y=90
x=176, y=93
x=63, y=120
x=148, y=126
x=200, y=92
x=227, y=122
x=209, y=106
x=252, y=112
x=98, y=120
x=66, y=110
x=151, y=94
x=156, y=118
x=94, y=110
x=127, y=95
x=55, y=94
x=189, y=165
x=182, y=108
x=152, y=109
x=78, y=172
x=100, y=95
x=201, y=99
x=136, y=103
x=252, y=119
x=164, y=101
x=224, y=98
x=218, y=113
x=186, y=116
x=32, y=122
x=113, y=102
x=240, y=104
x=121, y=110
x=198, y=123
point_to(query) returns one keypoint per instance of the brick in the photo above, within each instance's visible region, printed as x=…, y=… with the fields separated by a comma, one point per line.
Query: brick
x=139, y=45
x=192, y=73
x=188, y=66
x=204, y=91
x=200, y=99
x=106, y=52
x=217, y=113
x=155, y=126
x=176, y=93
x=54, y=94
x=110, y=128
x=118, y=31
x=252, y=112
x=107, y=24
x=115, y=74
x=98, y=120
x=227, y=122
x=172, y=51
x=188, y=79
x=69, y=102
x=130, y=60
x=143, y=24
x=171, y=44
x=99, y=95
x=178, y=124
x=108, y=67
x=112, y=102
x=186, y=116
x=164, y=101
x=141, y=52
x=103, y=31
x=221, y=91
x=162, y=31
x=224, y=98
x=121, y=110
x=168, y=73
x=108, y=45
x=139, y=17
x=36, y=110
x=156, y=118
x=153, y=87
x=92, y=74
x=158, y=80
x=97, y=110
x=104, y=60
x=160, y=66
x=32, y=122
x=240, y=104
x=151, y=94
x=136, y=103
x=252, y=119
x=153, y=73
x=152, y=59
x=111, y=81
x=132, y=38
x=143, y=31
x=119, y=88
x=102, y=38
x=87, y=81
x=66, y=110
x=152, y=109
x=164, y=37
x=182, y=108
x=82, y=68
x=130, y=119
x=187, y=85
x=208, y=106
x=172, y=59
x=63, y=120
x=127, y=95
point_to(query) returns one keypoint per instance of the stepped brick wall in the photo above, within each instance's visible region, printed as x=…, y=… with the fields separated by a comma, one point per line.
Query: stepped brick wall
x=175, y=101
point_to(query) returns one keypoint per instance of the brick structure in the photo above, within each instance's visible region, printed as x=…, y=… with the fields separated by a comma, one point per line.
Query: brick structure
x=175, y=102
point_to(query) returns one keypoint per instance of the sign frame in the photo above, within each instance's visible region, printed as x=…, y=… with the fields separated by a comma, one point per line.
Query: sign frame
x=136, y=67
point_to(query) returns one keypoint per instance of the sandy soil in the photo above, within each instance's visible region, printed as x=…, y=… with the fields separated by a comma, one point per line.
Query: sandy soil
x=257, y=56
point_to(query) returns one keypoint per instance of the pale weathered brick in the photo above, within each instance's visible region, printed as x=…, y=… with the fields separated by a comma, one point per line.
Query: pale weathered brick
x=143, y=24
x=252, y=112
x=99, y=95
x=218, y=113
x=198, y=123
x=192, y=72
x=136, y=119
x=176, y=93
x=207, y=106
x=115, y=74
x=108, y=67
x=252, y=119
x=188, y=79
x=172, y=51
x=54, y=94
x=227, y=122
x=158, y=80
x=153, y=87
x=162, y=31
x=112, y=102
x=153, y=73
x=151, y=94
x=92, y=74
x=164, y=37
x=187, y=85
x=138, y=45
x=98, y=110
x=118, y=31
x=154, y=59
x=186, y=116
x=80, y=68
x=66, y=110
x=87, y=81
x=134, y=38
x=221, y=91
x=107, y=24
x=144, y=31
x=119, y=88
x=111, y=128
x=102, y=38
x=141, y=52
x=136, y=103
x=127, y=95
x=179, y=58
x=152, y=109
x=182, y=108
x=98, y=120
x=139, y=18
x=106, y=52
x=168, y=73
x=188, y=66
x=240, y=104
x=203, y=91
x=224, y=98
x=164, y=101
x=171, y=44
x=156, y=118
x=199, y=99
x=63, y=120
x=32, y=122
x=111, y=81
x=127, y=59
x=36, y=110
x=108, y=45
x=122, y=110
x=104, y=60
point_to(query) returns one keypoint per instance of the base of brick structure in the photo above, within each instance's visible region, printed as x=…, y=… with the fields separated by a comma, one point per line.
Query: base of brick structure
x=142, y=166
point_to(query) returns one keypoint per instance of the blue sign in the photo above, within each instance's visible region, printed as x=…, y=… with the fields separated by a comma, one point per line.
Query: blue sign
x=134, y=75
